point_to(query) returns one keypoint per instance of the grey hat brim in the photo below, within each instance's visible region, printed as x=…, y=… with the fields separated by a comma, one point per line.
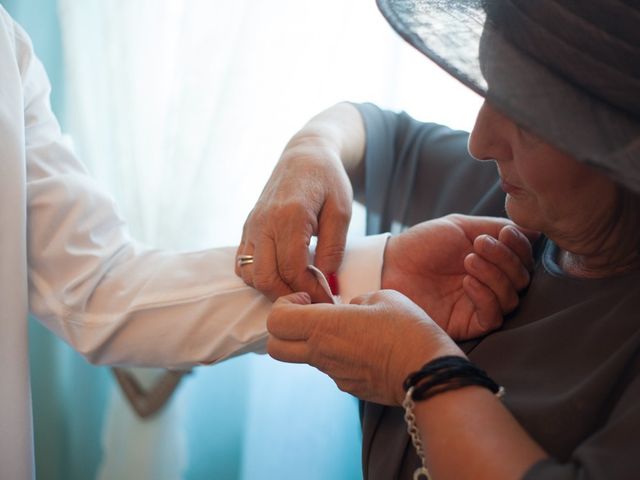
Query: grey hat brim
x=574, y=100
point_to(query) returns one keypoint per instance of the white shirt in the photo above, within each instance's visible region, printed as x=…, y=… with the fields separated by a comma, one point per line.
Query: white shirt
x=66, y=257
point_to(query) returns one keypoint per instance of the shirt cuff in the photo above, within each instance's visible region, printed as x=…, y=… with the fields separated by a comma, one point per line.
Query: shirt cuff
x=361, y=269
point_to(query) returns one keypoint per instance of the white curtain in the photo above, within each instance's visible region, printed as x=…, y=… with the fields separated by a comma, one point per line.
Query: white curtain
x=181, y=108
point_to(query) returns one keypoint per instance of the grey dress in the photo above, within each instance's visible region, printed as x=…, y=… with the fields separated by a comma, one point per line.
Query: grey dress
x=569, y=357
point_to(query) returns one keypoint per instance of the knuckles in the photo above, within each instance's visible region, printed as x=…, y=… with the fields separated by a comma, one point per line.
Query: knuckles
x=268, y=284
x=267, y=213
x=292, y=273
x=341, y=215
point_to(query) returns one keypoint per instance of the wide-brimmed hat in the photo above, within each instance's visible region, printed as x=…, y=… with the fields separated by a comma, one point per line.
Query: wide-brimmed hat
x=568, y=71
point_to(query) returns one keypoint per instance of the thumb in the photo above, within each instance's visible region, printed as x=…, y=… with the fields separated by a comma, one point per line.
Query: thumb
x=297, y=298
x=333, y=225
x=364, y=299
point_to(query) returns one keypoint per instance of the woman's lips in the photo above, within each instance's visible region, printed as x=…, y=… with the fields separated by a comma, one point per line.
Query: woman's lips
x=509, y=187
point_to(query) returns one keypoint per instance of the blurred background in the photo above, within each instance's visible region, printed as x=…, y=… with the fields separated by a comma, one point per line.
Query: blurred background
x=181, y=108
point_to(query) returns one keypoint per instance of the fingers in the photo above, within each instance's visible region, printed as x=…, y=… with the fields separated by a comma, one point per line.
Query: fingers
x=499, y=269
x=239, y=252
x=276, y=263
x=298, y=298
x=291, y=323
x=495, y=280
x=515, y=263
x=332, y=236
x=531, y=235
x=520, y=243
x=288, y=351
x=477, y=225
x=288, y=320
x=242, y=250
x=260, y=271
x=263, y=274
x=292, y=258
x=487, y=309
x=474, y=226
x=292, y=249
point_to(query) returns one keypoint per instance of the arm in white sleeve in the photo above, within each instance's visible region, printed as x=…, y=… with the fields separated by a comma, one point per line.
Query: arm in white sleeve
x=109, y=298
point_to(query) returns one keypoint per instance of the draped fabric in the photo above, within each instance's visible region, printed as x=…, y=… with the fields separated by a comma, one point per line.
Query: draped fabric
x=181, y=109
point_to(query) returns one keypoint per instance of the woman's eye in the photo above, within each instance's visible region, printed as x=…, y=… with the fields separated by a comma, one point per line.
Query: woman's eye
x=528, y=136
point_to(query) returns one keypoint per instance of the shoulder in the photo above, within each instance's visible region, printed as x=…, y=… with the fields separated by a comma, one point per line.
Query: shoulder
x=15, y=43
x=403, y=125
x=7, y=31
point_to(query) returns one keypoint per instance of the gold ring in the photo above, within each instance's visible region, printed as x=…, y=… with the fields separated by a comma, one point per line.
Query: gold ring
x=245, y=260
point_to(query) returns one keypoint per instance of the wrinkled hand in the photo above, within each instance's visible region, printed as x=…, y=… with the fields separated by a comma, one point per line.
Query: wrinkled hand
x=308, y=194
x=465, y=271
x=368, y=347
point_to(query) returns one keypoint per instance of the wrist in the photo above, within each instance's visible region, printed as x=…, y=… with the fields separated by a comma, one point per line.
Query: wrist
x=388, y=265
x=317, y=135
x=341, y=128
x=361, y=267
x=445, y=373
x=434, y=345
x=319, y=155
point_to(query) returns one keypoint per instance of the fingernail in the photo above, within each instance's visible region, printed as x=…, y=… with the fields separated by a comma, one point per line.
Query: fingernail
x=515, y=233
x=488, y=244
x=490, y=239
x=332, y=280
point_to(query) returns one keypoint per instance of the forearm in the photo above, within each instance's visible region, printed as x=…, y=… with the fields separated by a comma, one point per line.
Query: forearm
x=469, y=434
x=117, y=304
x=150, y=308
x=340, y=130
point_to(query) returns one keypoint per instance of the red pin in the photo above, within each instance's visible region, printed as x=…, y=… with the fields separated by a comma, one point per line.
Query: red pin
x=332, y=280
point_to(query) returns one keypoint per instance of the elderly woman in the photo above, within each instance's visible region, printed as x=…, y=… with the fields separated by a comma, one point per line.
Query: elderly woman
x=560, y=123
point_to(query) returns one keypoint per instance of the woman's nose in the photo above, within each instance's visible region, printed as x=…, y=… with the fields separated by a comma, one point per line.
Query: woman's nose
x=489, y=137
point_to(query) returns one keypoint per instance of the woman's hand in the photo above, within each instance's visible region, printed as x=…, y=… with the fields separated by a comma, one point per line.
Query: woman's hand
x=464, y=271
x=368, y=347
x=309, y=193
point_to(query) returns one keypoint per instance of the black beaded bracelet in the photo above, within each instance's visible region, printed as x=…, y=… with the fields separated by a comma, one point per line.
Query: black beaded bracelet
x=448, y=373
x=437, y=376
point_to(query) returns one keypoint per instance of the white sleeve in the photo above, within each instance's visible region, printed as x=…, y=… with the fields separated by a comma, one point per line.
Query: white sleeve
x=361, y=269
x=108, y=297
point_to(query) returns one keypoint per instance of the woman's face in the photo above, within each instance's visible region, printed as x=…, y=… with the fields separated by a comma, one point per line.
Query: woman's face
x=547, y=190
